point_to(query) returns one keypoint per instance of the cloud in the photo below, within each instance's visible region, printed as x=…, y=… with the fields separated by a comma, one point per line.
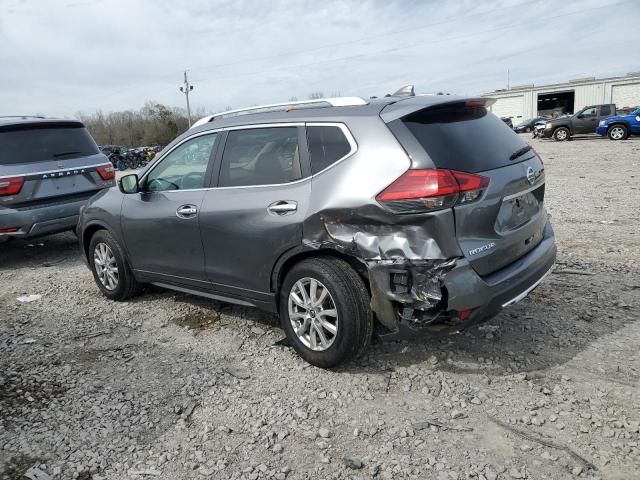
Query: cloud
x=114, y=55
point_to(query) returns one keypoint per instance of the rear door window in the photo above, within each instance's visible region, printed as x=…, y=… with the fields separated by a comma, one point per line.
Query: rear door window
x=605, y=110
x=260, y=156
x=31, y=145
x=468, y=139
x=327, y=145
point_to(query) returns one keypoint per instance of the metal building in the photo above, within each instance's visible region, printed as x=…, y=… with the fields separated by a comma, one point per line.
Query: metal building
x=521, y=102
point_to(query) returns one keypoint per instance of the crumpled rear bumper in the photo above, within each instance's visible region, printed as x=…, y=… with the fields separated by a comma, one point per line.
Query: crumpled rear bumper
x=461, y=290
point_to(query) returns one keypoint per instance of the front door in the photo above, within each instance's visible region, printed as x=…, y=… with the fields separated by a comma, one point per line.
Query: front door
x=161, y=223
x=586, y=121
x=256, y=213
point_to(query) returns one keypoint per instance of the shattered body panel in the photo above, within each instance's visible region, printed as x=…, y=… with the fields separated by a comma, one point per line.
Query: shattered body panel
x=406, y=257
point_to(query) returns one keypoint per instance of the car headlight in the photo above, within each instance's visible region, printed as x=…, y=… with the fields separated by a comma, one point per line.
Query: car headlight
x=548, y=125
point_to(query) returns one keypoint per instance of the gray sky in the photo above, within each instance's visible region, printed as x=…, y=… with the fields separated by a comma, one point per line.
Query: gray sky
x=61, y=57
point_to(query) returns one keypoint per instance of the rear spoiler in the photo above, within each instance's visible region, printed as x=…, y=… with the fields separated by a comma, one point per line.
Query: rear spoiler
x=39, y=124
x=407, y=106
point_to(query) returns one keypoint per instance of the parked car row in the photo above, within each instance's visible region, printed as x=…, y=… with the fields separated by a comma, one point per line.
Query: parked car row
x=124, y=158
x=603, y=119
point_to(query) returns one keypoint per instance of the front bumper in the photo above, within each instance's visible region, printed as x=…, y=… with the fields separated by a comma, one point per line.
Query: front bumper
x=602, y=130
x=42, y=220
x=547, y=132
x=485, y=297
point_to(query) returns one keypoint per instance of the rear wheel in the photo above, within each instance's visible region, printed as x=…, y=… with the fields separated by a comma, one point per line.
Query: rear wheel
x=110, y=268
x=324, y=309
x=561, y=134
x=618, y=132
x=528, y=129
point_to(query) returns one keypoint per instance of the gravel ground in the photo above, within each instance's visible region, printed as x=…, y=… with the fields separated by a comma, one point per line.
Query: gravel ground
x=174, y=387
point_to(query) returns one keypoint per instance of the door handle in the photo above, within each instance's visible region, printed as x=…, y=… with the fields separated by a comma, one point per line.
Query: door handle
x=283, y=207
x=187, y=211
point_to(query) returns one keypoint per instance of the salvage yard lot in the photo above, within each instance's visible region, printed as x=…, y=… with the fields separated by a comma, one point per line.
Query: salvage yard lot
x=172, y=386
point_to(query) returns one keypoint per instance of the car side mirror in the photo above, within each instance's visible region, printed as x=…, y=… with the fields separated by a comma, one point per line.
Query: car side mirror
x=129, y=184
x=580, y=116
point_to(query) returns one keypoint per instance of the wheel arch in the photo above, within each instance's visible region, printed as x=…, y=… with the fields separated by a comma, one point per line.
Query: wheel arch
x=295, y=256
x=88, y=232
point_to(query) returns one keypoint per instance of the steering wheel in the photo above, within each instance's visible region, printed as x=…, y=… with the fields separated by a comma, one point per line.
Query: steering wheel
x=197, y=180
x=160, y=184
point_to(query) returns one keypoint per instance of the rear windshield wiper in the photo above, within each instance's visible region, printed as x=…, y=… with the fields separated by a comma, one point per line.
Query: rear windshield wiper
x=520, y=152
x=64, y=153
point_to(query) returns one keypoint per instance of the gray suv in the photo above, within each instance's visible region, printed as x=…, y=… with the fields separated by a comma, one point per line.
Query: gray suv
x=412, y=213
x=48, y=170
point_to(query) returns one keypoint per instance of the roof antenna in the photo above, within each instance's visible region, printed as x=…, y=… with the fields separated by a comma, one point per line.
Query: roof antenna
x=406, y=91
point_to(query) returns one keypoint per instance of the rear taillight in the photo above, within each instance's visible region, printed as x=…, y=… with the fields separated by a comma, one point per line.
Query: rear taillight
x=418, y=191
x=9, y=230
x=106, y=172
x=11, y=186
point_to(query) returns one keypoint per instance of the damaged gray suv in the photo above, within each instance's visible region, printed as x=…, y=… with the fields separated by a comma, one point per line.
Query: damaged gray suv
x=411, y=213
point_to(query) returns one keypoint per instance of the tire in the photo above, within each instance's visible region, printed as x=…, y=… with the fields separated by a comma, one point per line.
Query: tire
x=125, y=285
x=618, y=132
x=346, y=293
x=527, y=130
x=561, y=134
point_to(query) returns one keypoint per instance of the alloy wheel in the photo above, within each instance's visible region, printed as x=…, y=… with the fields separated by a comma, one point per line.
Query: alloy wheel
x=617, y=133
x=313, y=314
x=106, y=266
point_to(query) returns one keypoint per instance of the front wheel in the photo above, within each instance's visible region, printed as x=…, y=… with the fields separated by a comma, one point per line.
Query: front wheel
x=618, y=132
x=110, y=269
x=325, y=312
x=561, y=134
x=528, y=129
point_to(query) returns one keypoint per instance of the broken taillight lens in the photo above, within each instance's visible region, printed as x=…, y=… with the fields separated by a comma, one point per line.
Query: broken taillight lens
x=106, y=172
x=419, y=191
x=11, y=185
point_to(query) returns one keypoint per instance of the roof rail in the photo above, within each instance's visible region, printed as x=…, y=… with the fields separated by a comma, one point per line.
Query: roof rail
x=286, y=106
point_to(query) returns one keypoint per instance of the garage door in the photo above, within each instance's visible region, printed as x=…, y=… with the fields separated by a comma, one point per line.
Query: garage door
x=512, y=107
x=626, y=95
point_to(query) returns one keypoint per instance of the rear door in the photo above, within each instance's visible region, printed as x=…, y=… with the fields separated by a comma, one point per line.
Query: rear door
x=508, y=219
x=256, y=212
x=53, y=162
x=161, y=224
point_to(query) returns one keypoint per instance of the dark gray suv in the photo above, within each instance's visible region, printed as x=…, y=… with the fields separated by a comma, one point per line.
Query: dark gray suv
x=418, y=213
x=48, y=170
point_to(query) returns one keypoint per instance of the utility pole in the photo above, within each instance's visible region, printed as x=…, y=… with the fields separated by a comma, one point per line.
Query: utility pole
x=186, y=88
x=508, y=78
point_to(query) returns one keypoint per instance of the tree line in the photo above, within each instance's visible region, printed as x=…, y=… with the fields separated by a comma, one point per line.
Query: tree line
x=153, y=124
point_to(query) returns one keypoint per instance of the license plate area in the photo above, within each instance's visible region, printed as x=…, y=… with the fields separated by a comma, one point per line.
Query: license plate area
x=518, y=209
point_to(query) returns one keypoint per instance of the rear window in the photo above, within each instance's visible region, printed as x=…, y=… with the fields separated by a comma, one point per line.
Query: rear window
x=465, y=139
x=41, y=144
x=327, y=145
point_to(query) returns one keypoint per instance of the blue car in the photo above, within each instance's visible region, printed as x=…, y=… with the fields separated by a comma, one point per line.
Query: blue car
x=619, y=127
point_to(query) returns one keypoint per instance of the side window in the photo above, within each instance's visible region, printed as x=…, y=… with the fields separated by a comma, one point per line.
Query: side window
x=260, y=156
x=589, y=112
x=605, y=110
x=185, y=167
x=327, y=145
